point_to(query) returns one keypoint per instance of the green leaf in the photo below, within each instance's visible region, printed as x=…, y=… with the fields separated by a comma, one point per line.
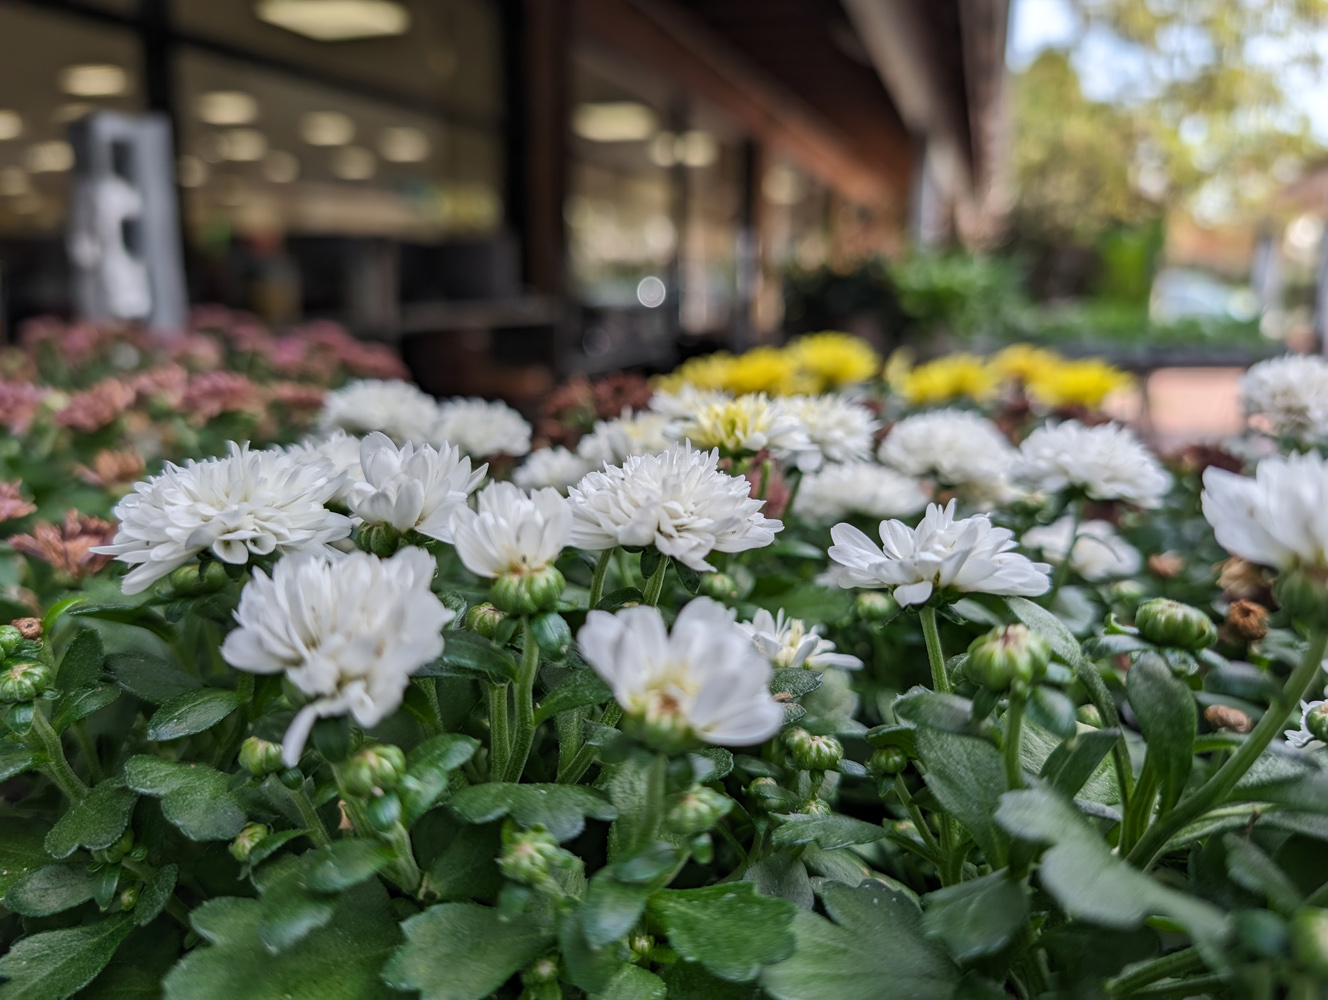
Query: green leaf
x=711, y=763
x=728, y=928
x=1099, y=647
x=1052, y=710
x=427, y=770
x=339, y=961
x=977, y=917
x=467, y=654
x=611, y=908
x=1074, y=761
x=21, y=849
x=96, y=822
x=810, y=602
x=561, y=809
x=1252, y=869
x=127, y=614
x=902, y=737
x=194, y=797
x=1164, y=706
x=461, y=951
x=149, y=676
x=81, y=703
x=967, y=777
x=795, y=681
x=936, y=711
x=52, y=889
x=689, y=981
x=633, y=982
x=580, y=688
x=343, y=864
x=827, y=831
x=290, y=914
x=155, y=894
x=82, y=663
x=875, y=949
x=467, y=868
x=191, y=712
x=1047, y=625
x=15, y=758
x=54, y=965
x=782, y=874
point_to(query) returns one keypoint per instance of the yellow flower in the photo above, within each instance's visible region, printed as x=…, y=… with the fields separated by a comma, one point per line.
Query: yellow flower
x=1078, y=383
x=767, y=369
x=710, y=371
x=835, y=359
x=958, y=376
x=1024, y=362
x=742, y=426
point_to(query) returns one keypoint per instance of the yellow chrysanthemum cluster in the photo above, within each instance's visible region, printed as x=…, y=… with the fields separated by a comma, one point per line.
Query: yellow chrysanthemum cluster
x=811, y=364
x=955, y=376
x=1048, y=378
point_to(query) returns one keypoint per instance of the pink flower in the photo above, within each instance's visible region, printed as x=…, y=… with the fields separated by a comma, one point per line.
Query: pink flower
x=12, y=504
x=94, y=408
x=164, y=384
x=68, y=547
x=19, y=402
x=212, y=393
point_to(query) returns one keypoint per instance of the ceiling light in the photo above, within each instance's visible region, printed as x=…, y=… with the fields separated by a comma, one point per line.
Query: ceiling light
x=403, y=144
x=280, y=167
x=94, y=80
x=663, y=149
x=226, y=107
x=191, y=171
x=71, y=112
x=613, y=121
x=14, y=181
x=699, y=149
x=326, y=128
x=11, y=125
x=243, y=145
x=354, y=163
x=336, y=20
x=51, y=157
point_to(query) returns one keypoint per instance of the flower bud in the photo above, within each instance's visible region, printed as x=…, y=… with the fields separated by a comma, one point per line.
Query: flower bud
x=720, y=586
x=887, y=761
x=246, y=840
x=1170, y=623
x=527, y=593
x=259, y=757
x=484, y=619
x=876, y=605
x=529, y=855
x=1309, y=939
x=10, y=637
x=374, y=770
x=641, y=945
x=1005, y=655
x=112, y=854
x=552, y=635
x=384, y=812
x=1089, y=716
x=1316, y=721
x=1127, y=591
x=817, y=807
x=813, y=753
x=128, y=897
x=698, y=810
x=702, y=848
x=292, y=778
x=23, y=681
x=661, y=726
x=1304, y=596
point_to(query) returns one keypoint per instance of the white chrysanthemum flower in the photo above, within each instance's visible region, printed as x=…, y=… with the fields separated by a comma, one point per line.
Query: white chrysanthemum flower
x=1291, y=393
x=551, y=468
x=339, y=448
x=677, y=501
x=514, y=532
x=1106, y=462
x=746, y=425
x=415, y=487
x=396, y=408
x=788, y=642
x=246, y=503
x=957, y=448
x=482, y=428
x=857, y=489
x=631, y=434
x=1302, y=738
x=705, y=680
x=967, y=555
x=1100, y=553
x=347, y=633
x=680, y=405
x=840, y=429
x=1278, y=518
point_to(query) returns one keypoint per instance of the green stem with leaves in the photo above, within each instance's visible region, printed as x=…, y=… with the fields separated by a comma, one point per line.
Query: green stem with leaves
x=655, y=585
x=523, y=736
x=309, y=815
x=580, y=764
x=1011, y=742
x=652, y=815
x=57, y=764
x=1168, y=966
x=597, y=578
x=500, y=731
x=940, y=681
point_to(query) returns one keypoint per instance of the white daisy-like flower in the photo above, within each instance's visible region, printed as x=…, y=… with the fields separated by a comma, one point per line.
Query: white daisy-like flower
x=1106, y=462
x=513, y=533
x=414, y=487
x=1302, y=738
x=968, y=555
x=1290, y=393
x=1278, y=517
x=1100, y=553
x=244, y=504
x=957, y=448
x=706, y=680
x=631, y=434
x=840, y=429
x=746, y=425
x=788, y=642
x=677, y=501
x=347, y=633
x=482, y=428
x=396, y=408
x=685, y=401
x=555, y=468
x=339, y=448
x=856, y=489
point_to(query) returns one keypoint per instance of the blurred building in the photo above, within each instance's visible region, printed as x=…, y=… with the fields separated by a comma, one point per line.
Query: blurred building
x=513, y=187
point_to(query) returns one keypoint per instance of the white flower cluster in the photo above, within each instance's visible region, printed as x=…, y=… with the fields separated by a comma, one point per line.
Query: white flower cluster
x=857, y=489
x=1290, y=394
x=1278, y=518
x=613, y=441
x=513, y=532
x=412, y=487
x=788, y=642
x=551, y=468
x=339, y=448
x=957, y=448
x=1099, y=553
x=1105, y=462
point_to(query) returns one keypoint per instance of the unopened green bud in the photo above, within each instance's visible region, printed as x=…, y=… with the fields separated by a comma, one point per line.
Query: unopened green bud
x=484, y=619
x=384, y=812
x=1309, y=939
x=129, y=897
x=766, y=788
x=247, y=839
x=1005, y=655
x=552, y=635
x=887, y=761
x=720, y=586
x=1303, y=595
x=698, y=810
x=374, y=770
x=23, y=681
x=1127, y=591
x=260, y=757
x=543, y=970
x=1089, y=716
x=292, y=778
x=10, y=637
x=875, y=605
x=121, y=847
x=527, y=593
x=641, y=945
x=196, y=578
x=380, y=539
x=1170, y=623
x=530, y=855
x=817, y=807
x=1316, y=721
x=813, y=753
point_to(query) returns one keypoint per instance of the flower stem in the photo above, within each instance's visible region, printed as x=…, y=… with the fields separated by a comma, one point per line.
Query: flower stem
x=88, y=749
x=655, y=585
x=1176, y=963
x=500, y=733
x=312, y=821
x=1010, y=743
x=919, y=821
x=653, y=813
x=144, y=871
x=1215, y=789
x=1064, y=568
x=57, y=764
x=597, y=579
x=586, y=755
x=524, y=734
x=939, y=679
